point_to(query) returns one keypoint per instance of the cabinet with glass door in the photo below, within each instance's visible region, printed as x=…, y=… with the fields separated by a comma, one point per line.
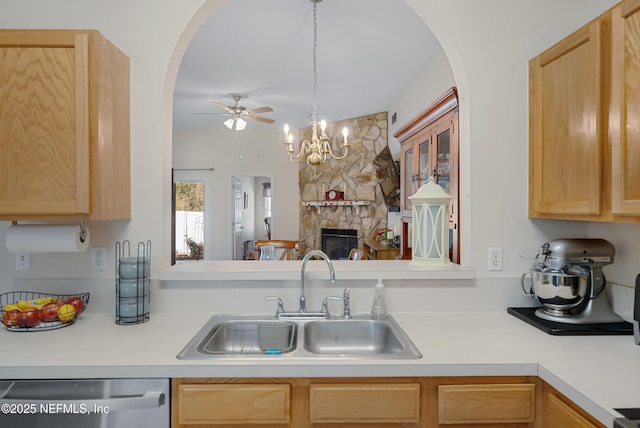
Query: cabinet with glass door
x=429, y=148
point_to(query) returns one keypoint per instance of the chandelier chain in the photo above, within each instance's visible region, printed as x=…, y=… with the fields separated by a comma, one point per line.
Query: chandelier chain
x=315, y=61
x=316, y=149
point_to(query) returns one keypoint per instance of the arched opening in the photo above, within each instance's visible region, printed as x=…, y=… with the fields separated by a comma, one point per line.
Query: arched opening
x=425, y=12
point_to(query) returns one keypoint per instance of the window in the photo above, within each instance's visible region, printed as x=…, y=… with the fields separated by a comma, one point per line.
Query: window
x=189, y=220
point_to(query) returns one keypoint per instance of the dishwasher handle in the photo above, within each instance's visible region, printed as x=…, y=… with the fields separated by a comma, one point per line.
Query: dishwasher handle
x=148, y=400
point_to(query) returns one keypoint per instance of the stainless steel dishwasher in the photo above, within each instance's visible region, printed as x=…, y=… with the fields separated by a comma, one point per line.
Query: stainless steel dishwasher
x=86, y=403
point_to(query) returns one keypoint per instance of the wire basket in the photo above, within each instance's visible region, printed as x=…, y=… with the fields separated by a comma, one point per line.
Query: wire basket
x=24, y=310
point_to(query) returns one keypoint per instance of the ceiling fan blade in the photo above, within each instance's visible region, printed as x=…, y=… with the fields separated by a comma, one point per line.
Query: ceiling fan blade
x=260, y=119
x=264, y=109
x=222, y=106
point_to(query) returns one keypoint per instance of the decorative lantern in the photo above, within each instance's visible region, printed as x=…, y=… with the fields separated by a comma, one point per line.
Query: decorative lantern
x=430, y=208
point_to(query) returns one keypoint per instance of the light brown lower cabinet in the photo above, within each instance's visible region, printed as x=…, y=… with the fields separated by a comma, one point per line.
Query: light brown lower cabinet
x=560, y=412
x=372, y=403
x=419, y=402
x=232, y=404
x=483, y=401
x=484, y=404
x=298, y=402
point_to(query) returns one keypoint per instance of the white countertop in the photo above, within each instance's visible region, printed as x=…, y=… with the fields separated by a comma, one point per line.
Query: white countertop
x=599, y=373
x=218, y=270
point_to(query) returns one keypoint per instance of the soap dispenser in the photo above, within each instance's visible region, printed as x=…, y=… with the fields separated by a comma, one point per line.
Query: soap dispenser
x=379, y=309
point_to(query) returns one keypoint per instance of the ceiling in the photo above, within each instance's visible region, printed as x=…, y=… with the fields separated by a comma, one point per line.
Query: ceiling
x=368, y=52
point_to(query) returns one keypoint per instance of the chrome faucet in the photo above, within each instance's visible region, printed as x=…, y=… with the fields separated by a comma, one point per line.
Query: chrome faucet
x=346, y=299
x=332, y=275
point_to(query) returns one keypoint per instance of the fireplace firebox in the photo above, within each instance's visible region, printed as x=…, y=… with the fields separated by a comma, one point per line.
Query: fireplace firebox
x=337, y=243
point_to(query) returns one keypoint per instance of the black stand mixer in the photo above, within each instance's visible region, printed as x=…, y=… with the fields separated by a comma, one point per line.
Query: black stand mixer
x=568, y=281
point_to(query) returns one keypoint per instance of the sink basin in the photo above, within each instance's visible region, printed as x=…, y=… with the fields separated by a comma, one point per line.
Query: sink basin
x=237, y=335
x=250, y=336
x=351, y=337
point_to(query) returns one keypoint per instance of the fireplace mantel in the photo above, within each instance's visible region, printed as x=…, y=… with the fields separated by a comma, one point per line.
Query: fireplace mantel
x=320, y=204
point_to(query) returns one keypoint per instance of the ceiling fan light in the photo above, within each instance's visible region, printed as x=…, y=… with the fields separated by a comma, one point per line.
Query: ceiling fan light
x=240, y=124
x=229, y=123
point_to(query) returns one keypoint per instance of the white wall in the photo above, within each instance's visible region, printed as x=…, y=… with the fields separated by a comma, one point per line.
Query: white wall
x=432, y=83
x=147, y=31
x=488, y=45
x=255, y=152
x=489, y=52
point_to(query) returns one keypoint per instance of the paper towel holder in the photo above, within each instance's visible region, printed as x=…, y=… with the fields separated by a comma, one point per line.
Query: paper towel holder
x=30, y=237
x=83, y=229
x=83, y=232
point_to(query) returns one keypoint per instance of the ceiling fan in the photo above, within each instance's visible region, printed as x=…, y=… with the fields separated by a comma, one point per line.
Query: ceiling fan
x=239, y=113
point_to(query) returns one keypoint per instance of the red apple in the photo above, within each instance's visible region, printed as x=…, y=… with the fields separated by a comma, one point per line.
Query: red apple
x=10, y=318
x=29, y=317
x=76, y=302
x=49, y=312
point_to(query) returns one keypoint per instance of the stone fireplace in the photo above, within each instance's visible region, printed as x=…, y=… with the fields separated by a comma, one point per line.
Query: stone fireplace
x=367, y=176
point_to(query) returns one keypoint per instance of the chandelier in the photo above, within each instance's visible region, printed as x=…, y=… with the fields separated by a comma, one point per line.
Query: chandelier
x=315, y=150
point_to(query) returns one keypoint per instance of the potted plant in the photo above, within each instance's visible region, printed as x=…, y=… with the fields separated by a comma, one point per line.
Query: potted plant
x=195, y=248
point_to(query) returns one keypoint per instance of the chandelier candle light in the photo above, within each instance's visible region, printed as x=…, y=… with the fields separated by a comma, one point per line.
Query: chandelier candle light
x=430, y=209
x=316, y=149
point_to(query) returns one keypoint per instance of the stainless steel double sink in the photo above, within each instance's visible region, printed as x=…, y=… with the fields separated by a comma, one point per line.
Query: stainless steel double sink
x=233, y=336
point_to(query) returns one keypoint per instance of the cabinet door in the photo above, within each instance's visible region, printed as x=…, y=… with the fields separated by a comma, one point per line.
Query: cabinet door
x=566, y=126
x=444, y=159
x=559, y=412
x=408, y=177
x=425, y=167
x=486, y=404
x=625, y=109
x=44, y=129
x=441, y=170
x=224, y=404
x=364, y=403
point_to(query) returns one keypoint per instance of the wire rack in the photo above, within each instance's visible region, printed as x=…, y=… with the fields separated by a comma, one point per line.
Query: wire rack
x=133, y=294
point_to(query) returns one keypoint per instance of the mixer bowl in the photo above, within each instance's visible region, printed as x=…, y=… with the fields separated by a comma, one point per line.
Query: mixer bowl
x=559, y=291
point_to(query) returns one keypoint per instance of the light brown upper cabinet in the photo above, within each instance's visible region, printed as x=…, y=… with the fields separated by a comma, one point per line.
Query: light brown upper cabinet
x=429, y=148
x=583, y=101
x=64, y=126
x=625, y=110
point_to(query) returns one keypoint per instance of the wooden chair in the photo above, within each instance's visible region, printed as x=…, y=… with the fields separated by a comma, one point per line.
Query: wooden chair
x=289, y=248
x=267, y=226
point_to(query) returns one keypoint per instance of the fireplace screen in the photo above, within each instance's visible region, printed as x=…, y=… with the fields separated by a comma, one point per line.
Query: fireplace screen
x=337, y=243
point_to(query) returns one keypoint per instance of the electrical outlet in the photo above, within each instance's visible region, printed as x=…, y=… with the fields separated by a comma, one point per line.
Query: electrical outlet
x=495, y=258
x=98, y=258
x=23, y=261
